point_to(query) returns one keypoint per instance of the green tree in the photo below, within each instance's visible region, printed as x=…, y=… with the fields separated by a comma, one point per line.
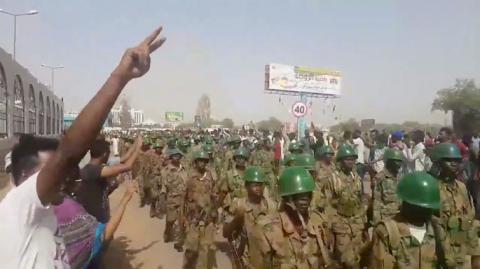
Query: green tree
x=227, y=123
x=463, y=99
x=272, y=124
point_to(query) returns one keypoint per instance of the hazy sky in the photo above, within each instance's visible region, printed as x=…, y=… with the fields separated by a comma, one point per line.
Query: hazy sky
x=394, y=55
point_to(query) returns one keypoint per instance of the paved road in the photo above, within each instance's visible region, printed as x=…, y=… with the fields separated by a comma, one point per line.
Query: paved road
x=139, y=243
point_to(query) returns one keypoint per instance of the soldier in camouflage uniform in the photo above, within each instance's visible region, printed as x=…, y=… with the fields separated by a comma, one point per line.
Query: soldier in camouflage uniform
x=385, y=203
x=349, y=222
x=241, y=222
x=138, y=172
x=159, y=163
x=293, y=237
x=264, y=157
x=232, y=185
x=174, y=179
x=456, y=213
x=228, y=160
x=413, y=238
x=199, y=214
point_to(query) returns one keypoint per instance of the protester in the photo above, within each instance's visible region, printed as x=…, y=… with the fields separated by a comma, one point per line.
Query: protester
x=42, y=166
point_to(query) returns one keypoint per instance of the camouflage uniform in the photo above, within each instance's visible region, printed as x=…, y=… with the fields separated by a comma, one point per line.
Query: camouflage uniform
x=199, y=214
x=232, y=186
x=158, y=190
x=320, y=196
x=385, y=201
x=265, y=159
x=245, y=243
x=174, y=179
x=394, y=246
x=458, y=219
x=348, y=218
x=282, y=246
x=139, y=173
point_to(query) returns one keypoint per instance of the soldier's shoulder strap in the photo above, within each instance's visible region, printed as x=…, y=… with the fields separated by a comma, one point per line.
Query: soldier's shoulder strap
x=393, y=232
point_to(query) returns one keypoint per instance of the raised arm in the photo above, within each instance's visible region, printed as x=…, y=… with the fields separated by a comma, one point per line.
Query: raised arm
x=76, y=142
x=115, y=170
x=129, y=153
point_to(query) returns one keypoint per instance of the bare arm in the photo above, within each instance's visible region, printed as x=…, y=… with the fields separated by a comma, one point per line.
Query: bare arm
x=130, y=151
x=115, y=170
x=76, y=142
x=116, y=218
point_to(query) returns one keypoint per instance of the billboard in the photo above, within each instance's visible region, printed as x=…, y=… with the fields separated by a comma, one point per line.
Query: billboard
x=174, y=116
x=297, y=79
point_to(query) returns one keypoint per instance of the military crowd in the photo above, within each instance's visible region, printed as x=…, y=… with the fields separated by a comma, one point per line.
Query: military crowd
x=312, y=209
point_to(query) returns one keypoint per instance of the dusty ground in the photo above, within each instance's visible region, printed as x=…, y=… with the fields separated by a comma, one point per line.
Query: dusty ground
x=138, y=243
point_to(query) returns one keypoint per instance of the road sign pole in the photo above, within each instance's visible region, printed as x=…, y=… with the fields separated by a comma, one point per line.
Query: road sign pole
x=301, y=125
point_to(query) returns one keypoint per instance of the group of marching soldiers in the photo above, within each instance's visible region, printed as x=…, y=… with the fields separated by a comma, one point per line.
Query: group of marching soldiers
x=311, y=210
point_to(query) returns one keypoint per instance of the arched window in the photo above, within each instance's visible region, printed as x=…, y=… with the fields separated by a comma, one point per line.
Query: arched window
x=3, y=102
x=41, y=115
x=19, y=107
x=32, y=111
x=54, y=119
x=49, y=117
x=59, y=119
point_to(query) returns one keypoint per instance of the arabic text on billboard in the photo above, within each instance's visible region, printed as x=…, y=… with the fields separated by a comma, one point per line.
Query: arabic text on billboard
x=174, y=116
x=288, y=78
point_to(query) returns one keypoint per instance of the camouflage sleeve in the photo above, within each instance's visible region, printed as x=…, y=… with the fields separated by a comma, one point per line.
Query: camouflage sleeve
x=270, y=240
x=377, y=196
x=381, y=258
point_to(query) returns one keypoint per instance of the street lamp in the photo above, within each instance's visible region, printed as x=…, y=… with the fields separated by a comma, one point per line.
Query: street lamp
x=15, y=15
x=52, y=70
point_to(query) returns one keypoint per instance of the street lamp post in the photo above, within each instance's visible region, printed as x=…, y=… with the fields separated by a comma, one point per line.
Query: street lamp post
x=52, y=70
x=15, y=15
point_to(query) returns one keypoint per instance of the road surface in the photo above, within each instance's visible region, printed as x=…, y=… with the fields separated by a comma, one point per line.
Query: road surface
x=138, y=243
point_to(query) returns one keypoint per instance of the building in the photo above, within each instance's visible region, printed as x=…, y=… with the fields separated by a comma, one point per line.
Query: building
x=26, y=105
x=137, y=116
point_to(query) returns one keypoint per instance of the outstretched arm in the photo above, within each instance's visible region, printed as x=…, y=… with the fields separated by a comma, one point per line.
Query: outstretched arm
x=76, y=142
x=115, y=170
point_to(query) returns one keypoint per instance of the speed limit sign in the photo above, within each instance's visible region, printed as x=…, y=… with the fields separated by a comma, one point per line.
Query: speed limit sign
x=299, y=109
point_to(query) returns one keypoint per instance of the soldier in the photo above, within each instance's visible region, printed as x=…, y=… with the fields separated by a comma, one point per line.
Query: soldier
x=293, y=237
x=241, y=223
x=456, y=211
x=413, y=238
x=289, y=160
x=199, y=214
x=295, y=148
x=138, y=172
x=265, y=158
x=159, y=163
x=232, y=184
x=385, y=203
x=228, y=161
x=349, y=222
x=174, y=178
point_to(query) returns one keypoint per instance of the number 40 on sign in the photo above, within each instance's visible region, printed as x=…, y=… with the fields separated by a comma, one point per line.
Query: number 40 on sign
x=299, y=109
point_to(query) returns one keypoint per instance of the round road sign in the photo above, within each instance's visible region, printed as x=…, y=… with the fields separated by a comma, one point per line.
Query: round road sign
x=299, y=109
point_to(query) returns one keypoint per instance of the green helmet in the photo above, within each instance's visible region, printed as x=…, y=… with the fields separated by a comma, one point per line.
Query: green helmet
x=208, y=140
x=294, y=147
x=243, y=152
x=196, y=155
x=158, y=145
x=147, y=141
x=184, y=143
x=324, y=150
x=290, y=158
x=393, y=154
x=444, y=151
x=295, y=180
x=174, y=151
x=235, y=139
x=345, y=151
x=306, y=161
x=254, y=174
x=420, y=189
x=208, y=148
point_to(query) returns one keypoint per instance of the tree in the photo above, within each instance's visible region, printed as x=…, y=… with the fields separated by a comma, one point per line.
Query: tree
x=227, y=123
x=350, y=125
x=203, y=108
x=125, y=116
x=463, y=99
x=272, y=124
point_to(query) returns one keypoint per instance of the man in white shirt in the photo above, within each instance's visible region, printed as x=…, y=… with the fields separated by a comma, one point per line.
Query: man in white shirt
x=359, y=146
x=41, y=167
x=416, y=155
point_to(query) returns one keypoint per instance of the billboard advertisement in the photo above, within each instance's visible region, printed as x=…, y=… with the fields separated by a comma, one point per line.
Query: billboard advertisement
x=298, y=79
x=174, y=116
